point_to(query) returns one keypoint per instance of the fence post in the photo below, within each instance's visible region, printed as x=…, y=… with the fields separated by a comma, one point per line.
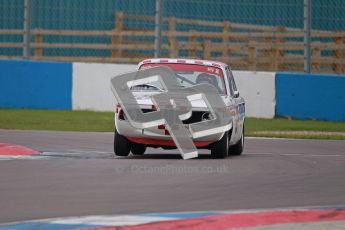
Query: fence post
x=26, y=27
x=339, y=54
x=38, y=41
x=226, y=39
x=316, y=53
x=173, y=49
x=252, y=55
x=307, y=38
x=206, y=49
x=191, y=39
x=116, y=39
x=274, y=58
x=343, y=56
x=158, y=24
x=279, y=52
x=270, y=52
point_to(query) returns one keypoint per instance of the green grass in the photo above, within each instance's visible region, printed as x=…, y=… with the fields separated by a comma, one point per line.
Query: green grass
x=62, y=120
x=254, y=124
x=87, y=121
x=279, y=124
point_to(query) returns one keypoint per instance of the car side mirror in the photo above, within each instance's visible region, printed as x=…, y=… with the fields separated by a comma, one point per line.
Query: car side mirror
x=236, y=94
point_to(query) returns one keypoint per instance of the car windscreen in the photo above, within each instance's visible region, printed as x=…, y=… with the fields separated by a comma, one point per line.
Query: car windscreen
x=188, y=75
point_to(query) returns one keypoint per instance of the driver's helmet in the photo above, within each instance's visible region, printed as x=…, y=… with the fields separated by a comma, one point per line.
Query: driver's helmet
x=206, y=78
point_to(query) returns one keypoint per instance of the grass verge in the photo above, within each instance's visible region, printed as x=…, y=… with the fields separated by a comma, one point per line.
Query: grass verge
x=60, y=120
x=288, y=128
x=87, y=121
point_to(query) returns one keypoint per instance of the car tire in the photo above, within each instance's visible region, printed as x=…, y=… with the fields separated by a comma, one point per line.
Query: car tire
x=138, y=149
x=220, y=149
x=122, y=146
x=237, y=149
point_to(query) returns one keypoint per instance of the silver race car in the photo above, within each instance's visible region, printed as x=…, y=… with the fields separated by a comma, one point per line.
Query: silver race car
x=188, y=73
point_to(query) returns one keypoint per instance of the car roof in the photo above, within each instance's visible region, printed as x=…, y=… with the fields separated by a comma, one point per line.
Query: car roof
x=183, y=61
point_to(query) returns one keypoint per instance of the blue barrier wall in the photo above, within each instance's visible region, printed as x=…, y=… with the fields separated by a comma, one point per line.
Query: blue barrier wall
x=306, y=96
x=38, y=85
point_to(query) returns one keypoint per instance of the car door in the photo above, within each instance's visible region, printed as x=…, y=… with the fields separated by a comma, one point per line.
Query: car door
x=239, y=106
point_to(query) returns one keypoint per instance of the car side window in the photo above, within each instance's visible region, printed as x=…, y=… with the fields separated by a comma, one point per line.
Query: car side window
x=231, y=81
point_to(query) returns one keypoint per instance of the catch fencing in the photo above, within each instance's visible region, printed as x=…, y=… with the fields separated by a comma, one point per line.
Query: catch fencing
x=265, y=35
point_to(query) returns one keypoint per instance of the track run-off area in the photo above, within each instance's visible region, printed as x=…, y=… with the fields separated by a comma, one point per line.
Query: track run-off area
x=76, y=174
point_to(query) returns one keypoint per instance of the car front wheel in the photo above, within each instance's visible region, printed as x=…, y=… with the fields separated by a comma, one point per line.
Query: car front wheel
x=220, y=148
x=122, y=146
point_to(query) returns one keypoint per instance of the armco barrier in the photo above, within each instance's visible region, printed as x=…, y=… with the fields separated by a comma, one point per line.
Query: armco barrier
x=38, y=85
x=306, y=96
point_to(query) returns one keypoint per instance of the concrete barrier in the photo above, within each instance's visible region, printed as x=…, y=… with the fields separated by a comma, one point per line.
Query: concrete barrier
x=37, y=85
x=91, y=85
x=306, y=96
x=256, y=87
x=258, y=90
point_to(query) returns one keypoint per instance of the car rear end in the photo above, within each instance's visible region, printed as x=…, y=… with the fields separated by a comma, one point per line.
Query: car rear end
x=159, y=136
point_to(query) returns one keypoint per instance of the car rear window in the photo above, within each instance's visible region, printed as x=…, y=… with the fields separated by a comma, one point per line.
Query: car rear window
x=192, y=74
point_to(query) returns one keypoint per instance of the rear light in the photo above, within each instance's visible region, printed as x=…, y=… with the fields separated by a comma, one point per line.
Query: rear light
x=161, y=126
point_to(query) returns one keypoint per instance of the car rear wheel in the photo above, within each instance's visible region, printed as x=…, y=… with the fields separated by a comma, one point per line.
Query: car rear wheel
x=138, y=149
x=220, y=148
x=237, y=149
x=122, y=146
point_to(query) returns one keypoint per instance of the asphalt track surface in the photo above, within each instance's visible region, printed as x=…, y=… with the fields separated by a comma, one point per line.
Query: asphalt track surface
x=78, y=175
